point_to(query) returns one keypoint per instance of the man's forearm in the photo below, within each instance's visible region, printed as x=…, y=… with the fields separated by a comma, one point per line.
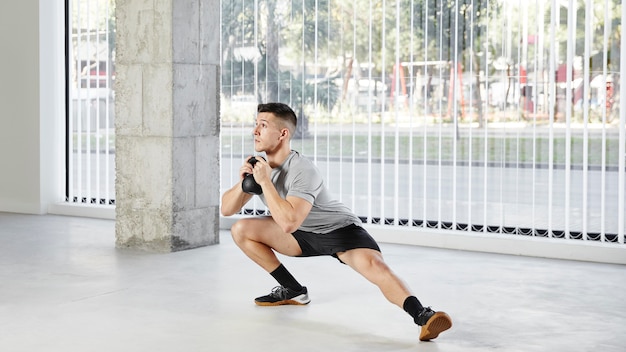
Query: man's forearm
x=287, y=213
x=233, y=200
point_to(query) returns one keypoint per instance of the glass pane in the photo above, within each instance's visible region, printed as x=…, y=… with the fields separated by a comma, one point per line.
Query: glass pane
x=91, y=112
x=482, y=115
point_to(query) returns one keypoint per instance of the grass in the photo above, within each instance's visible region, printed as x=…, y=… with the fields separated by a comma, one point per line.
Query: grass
x=478, y=149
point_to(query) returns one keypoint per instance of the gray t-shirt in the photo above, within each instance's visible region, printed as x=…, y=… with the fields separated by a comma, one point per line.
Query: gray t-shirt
x=299, y=177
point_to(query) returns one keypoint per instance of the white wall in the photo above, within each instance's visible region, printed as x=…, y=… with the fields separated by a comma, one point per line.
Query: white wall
x=31, y=112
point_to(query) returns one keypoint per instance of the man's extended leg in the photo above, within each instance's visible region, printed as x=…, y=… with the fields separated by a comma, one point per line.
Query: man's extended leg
x=370, y=264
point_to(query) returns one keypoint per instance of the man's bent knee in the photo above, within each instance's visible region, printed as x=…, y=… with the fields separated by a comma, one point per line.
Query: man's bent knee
x=240, y=229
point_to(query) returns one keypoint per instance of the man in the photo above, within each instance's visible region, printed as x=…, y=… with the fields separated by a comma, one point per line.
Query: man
x=306, y=221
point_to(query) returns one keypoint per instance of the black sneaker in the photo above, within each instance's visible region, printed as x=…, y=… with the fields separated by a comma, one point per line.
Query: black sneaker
x=282, y=295
x=432, y=323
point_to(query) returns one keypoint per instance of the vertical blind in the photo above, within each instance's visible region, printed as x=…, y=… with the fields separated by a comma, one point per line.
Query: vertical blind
x=90, y=102
x=474, y=116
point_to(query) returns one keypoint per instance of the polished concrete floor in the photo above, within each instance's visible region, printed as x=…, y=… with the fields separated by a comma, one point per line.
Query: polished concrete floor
x=64, y=287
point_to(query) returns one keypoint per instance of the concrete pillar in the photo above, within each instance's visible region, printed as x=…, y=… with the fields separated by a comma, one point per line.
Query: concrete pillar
x=167, y=124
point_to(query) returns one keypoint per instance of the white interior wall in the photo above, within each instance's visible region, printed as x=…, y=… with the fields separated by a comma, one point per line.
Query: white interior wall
x=19, y=107
x=31, y=105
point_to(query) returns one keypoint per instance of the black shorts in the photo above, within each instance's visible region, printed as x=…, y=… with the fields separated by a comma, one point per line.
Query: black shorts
x=340, y=240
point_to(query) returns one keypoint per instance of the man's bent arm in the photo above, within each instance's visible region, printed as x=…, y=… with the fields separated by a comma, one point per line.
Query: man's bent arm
x=287, y=213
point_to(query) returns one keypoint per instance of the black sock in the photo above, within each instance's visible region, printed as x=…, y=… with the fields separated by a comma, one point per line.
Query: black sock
x=284, y=277
x=412, y=306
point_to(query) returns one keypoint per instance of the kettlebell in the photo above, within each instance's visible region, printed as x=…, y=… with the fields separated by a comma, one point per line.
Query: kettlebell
x=248, y=184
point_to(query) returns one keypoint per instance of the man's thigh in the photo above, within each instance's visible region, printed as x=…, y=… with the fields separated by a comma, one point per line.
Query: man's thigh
x=265, y=230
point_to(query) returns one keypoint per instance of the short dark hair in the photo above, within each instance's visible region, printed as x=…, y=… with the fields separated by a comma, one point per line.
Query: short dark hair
x=283, y=112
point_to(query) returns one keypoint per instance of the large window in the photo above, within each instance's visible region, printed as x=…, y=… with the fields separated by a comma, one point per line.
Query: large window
x=474, y=115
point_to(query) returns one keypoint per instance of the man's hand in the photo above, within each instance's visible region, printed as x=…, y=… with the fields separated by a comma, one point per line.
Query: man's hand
x=235, y=198
x=261, y=171
x=246, y=168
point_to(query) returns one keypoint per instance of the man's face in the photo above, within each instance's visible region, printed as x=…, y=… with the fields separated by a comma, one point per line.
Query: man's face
x=267, y=132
